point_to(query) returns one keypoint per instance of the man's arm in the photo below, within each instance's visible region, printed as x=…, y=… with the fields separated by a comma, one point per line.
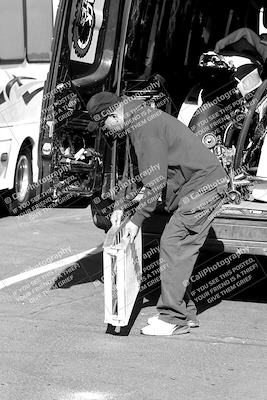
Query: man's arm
x=152, y=156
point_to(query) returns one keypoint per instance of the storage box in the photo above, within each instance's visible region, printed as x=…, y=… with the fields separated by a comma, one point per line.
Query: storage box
x=122, y=275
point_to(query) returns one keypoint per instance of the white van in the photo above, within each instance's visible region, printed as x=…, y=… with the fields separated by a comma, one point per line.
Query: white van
x=26, y=29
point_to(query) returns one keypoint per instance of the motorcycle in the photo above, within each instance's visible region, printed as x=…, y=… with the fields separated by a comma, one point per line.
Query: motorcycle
x=227, y=110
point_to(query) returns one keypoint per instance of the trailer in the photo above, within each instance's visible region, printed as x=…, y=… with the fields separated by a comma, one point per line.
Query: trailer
x=123, y=47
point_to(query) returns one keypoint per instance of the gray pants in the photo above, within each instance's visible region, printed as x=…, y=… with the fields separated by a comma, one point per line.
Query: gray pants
x=183, y=236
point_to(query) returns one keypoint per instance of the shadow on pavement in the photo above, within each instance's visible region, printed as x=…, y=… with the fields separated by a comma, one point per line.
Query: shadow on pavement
x=3, y=209
x=75, y=202
x=89, y=269
x=125, y=330
x=229, y=277
x=216, y=277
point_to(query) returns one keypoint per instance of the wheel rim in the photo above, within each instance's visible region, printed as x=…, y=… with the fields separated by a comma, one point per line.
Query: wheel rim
x=22, y=178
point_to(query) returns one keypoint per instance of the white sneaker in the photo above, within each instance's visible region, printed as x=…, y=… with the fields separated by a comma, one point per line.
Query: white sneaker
x=151, y=320
x=192, y=323
x=161, y=328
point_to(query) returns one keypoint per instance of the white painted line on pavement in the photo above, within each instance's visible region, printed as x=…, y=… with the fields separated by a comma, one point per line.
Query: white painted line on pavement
x=48, y=267
x=91, y=396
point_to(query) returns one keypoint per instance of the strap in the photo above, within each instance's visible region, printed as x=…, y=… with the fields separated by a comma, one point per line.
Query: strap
x=127, y=160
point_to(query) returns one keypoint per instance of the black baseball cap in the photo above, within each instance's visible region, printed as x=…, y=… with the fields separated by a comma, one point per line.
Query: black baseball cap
x=102, y=104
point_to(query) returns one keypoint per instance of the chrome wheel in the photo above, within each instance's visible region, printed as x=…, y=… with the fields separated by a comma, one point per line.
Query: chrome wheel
x=22, y=178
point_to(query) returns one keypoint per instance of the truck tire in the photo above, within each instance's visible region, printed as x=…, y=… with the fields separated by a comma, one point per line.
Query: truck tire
x=21, y=194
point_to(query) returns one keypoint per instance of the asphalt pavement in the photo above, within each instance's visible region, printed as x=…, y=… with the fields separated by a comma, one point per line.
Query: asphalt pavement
x=55, y=345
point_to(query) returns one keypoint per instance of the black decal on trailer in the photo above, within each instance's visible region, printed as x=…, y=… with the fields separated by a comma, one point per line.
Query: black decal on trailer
x=11, y=83
x=2, y=98
x=27, y=97
x=83, y=27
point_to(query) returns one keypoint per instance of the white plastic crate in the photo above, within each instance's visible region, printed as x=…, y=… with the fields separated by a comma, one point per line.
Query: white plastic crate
x=122, y=275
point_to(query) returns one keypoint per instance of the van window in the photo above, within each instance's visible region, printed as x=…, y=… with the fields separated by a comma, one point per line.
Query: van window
x=39, y=30
x=11, y=31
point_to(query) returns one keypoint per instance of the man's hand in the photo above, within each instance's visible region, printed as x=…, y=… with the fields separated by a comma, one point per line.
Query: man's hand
x=131, y=230
x=116, y=217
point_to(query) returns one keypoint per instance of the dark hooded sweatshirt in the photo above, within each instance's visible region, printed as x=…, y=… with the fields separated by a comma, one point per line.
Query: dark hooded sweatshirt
x=172, y=161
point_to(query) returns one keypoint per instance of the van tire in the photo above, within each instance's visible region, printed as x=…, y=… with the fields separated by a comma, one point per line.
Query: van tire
x=20, y=195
